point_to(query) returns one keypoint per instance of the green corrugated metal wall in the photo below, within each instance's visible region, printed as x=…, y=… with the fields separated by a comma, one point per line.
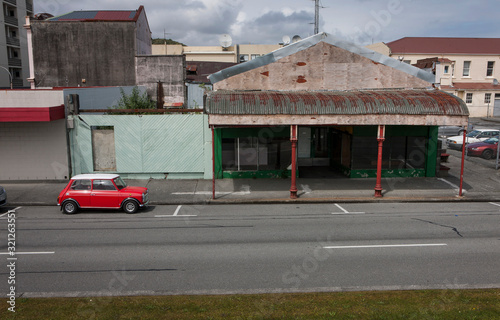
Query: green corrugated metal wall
x=148, y=145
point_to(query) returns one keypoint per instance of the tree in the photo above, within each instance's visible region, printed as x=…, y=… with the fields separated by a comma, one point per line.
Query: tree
x=165, y=41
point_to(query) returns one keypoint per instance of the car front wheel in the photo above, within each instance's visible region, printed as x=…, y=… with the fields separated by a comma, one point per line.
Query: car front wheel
x=487, y=154
x=70, y=207
x=130, y=206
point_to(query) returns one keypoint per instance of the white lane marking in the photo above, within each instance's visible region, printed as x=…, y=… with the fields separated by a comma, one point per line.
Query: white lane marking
x=387, y=246
x=167, y=216
x=238, y=193
x=10, y=211
x=454, y=186
x=305, y=188
x=177, y=210
x=176, y=214
x=495, y=204
x=19, y=253
x=345, y=211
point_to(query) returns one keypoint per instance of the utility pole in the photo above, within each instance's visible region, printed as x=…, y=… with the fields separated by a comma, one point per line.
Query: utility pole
x=316, y=17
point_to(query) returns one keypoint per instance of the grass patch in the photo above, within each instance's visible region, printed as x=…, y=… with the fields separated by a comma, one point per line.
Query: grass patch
x=420, y=304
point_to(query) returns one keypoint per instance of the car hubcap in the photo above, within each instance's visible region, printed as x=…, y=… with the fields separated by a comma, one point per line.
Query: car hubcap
x=70, y=207
x=130, y=207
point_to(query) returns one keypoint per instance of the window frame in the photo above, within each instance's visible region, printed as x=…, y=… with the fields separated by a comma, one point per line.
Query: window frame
x=468, y=97
x=490, y=69
x=487, y=98
x=464, y=73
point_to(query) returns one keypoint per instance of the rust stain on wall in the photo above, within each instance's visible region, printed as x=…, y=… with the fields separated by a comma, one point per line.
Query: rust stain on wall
x=301, y=64
x=266, y=73
x=301, y=79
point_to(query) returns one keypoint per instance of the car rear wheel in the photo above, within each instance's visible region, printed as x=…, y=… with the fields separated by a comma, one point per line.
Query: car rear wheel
x=70, y=207
x=130, y=206
x=487, y=154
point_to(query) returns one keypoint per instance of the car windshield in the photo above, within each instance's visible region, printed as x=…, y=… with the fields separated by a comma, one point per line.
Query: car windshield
x=492, y=140
x=473, y=133
x=120, y=183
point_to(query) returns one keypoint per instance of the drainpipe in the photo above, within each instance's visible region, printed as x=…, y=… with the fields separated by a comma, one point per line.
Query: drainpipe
x=462, y=166
x=213, y=164
x=29, y=39
x=293, y=139
x=380, y=139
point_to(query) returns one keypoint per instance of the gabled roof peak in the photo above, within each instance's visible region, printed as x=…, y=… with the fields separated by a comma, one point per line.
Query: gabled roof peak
x=313, y=40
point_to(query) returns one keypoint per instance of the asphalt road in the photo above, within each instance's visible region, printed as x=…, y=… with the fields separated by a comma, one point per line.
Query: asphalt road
x=250, y=249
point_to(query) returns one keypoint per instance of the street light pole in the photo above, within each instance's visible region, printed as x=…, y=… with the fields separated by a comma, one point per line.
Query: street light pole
x=10, y=76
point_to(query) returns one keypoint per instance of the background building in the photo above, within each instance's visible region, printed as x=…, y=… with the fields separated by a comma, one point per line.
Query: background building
x=89, y=48
x=466, y=67
x=231, y=54
x=13, y=44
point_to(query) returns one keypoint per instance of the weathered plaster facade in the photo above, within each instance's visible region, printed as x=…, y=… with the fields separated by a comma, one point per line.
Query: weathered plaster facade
x=322, y=67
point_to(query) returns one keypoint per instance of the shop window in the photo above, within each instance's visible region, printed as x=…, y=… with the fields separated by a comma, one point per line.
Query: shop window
x=255, y=153
x=398, y=153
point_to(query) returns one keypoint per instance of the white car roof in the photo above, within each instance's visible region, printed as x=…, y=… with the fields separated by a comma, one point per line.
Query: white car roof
x=94, y=176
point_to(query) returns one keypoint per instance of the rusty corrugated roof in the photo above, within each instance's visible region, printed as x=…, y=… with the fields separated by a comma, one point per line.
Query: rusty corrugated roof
x=357, y=102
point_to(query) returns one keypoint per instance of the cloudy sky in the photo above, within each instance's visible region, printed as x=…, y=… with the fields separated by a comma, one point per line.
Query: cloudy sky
x=201, y=22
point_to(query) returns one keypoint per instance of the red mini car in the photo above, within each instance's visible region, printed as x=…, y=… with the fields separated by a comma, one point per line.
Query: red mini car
x=486, y=149
x=106, y=191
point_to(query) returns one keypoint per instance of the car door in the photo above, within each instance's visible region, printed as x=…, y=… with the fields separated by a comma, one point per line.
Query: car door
x=105, y=194
x=80, y=191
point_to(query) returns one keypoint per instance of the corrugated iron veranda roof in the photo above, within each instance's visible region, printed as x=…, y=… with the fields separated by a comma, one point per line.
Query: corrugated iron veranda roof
x=356, y=102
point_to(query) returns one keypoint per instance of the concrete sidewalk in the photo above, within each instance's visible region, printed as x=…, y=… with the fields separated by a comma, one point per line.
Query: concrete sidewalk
x=481, y=183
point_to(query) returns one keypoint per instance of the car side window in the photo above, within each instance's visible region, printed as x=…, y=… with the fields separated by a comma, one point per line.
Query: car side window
x=103, y=185
x=80, y=185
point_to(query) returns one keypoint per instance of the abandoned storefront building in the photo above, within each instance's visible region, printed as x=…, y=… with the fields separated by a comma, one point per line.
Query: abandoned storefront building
x=323, y=106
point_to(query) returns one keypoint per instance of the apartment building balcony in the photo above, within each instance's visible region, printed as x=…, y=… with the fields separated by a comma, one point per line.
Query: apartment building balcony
x=17, y=83
x=29, y=6
x=15, y=62
x=11, y=20
x=13, y=42
x=13, y=2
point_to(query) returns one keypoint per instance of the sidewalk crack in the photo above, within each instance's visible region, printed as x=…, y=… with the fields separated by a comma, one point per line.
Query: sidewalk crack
x=196, y=187
x=440, y=225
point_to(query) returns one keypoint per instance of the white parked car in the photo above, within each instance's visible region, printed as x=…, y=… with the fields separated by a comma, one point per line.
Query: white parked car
x=476, y=135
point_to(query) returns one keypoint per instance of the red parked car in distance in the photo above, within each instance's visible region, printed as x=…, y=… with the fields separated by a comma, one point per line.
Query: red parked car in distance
x=103, y=191
x=486, y=149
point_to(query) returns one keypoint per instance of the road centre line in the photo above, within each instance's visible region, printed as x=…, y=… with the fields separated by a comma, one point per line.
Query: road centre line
x=345, y=211
x=19, y=253
x=387, y=246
